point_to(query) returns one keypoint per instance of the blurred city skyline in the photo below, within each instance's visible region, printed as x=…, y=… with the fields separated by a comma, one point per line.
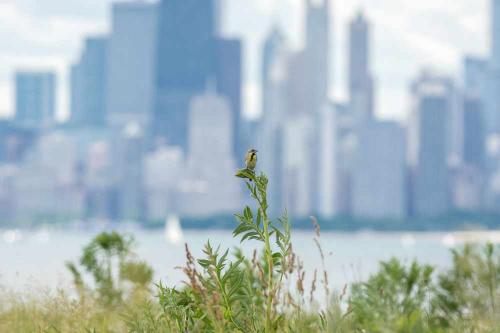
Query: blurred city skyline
x=161, y=113
x=406, y=36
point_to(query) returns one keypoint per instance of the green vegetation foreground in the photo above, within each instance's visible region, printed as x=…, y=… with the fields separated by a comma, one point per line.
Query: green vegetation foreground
x=230, y=292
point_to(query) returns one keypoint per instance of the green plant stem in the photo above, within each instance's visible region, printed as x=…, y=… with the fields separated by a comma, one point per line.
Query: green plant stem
x=226, y=302
x=269, y=258
x=270, y=286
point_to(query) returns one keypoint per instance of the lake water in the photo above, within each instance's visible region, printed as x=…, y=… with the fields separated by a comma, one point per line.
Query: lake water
x=37, y=258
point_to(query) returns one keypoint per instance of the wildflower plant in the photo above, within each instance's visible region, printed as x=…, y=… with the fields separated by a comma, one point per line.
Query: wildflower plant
x=238, y=294
x=258, y=226
x=110, y=260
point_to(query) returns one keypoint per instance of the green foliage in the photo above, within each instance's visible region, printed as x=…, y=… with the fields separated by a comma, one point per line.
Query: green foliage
x=464, y=298
x=471, y=288
x=394, y=299
x=237, y=294
x=109, y=259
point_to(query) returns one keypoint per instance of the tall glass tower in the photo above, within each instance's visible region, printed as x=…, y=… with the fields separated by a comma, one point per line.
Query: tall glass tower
x=35, y=99
x=186, y=44
x=360, y=78
x=495, y=34
x=191, y=56
x=493, y=100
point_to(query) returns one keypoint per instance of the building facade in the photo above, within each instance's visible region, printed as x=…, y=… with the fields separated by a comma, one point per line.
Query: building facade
x=88, y=84
x=132, y=63
x=186, y=62
x=380, y=173
x=360, y=78
x=35, y=99
x=210, y=188
x=274, y=113
x=430, y=169
x=192, y=55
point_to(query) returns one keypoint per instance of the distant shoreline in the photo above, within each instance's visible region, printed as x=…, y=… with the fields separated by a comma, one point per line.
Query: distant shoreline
x=451, y=222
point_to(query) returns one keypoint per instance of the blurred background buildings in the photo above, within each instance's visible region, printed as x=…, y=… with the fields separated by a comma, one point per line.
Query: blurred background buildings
x=156, y=126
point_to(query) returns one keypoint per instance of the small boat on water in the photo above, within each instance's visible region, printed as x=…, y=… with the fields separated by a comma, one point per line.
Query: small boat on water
x=173, y=230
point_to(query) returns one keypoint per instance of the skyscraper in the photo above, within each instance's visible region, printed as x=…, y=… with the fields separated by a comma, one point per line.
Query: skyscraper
x=163, y=168
x=132, y=63
x=46, y=181
x=495, y=34
x=474, y=133
x=307, y=75
x=274, y=68
x=492, y=103
x=100, y=178
x=429, y=157
x=316, y=81
x=469, y=178
x=88, y=84
x=35, y=99
x=379, y=175
x=210, y=188
x=298, y=184
x=187, y=46
x=346, y=147
x=297, y=94
x=229, y=78
x=475, y=76
x=317, y=54
x=360, y=77
x=187, y=61
x=309, y=69
x=328, y=198
x=15, y=142
x=274, y=112
x=130, y=150
x=454, y=111
x=191, y=55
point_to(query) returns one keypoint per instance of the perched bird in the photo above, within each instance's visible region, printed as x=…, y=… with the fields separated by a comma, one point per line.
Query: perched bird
x=251, y=159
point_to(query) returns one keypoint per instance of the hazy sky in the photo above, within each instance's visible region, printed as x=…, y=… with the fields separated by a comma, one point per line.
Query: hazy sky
x=407, y=35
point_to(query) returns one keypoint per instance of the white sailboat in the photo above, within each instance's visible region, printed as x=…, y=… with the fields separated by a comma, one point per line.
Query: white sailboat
x=173, y=230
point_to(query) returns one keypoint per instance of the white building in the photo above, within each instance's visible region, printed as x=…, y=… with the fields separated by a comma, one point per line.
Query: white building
x=100, y=181
x=274, y=111
x=8, y=176
x=209, y=186
x=162, y=170
x=298, y=163
x=46, y=184
x=328, y=163
x=98, y=165
x=129, y=152
x=468, y=188
x=379, y=175
x=493, y=181
x=59, y=152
